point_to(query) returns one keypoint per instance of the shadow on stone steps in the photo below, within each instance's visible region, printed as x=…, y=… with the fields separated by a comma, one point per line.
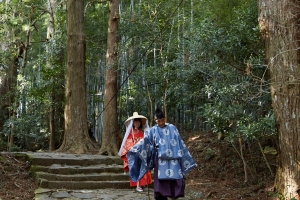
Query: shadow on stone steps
x=77, y=171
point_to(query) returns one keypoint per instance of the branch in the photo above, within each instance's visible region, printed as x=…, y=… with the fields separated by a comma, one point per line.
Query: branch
x=17, y=185
x=44, y=10
x=93, y=1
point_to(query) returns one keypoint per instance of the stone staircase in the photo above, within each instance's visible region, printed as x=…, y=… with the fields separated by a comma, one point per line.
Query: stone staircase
x=77, y=171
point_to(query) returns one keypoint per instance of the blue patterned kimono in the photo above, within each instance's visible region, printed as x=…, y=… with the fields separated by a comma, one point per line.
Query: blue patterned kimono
x=174, y=159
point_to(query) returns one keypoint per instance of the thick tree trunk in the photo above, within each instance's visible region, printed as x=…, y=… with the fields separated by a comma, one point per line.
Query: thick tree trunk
x=50, y=32
x=76, y=138
x=279, y=23
x=7, y=96
x=8, y=84
x=109, y=145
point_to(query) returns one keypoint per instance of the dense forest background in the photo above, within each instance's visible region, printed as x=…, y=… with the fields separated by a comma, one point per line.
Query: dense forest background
x=203, y=61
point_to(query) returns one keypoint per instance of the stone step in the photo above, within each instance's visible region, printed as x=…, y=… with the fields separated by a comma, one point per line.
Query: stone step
x=81, y=177
x=77, y=169
x=47, y=159
x=83, y=185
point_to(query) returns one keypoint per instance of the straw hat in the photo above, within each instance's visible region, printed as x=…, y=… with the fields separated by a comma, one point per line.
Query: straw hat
x=136, y=115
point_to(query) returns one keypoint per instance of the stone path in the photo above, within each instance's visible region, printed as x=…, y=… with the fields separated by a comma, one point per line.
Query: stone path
x=101, y=194
x=71, y=172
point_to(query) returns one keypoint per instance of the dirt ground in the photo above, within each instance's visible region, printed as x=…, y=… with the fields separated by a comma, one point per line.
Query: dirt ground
x=220, y=173
x=15, y=181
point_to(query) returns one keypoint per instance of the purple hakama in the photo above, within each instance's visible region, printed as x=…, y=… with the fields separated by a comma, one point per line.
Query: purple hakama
x=167, y=188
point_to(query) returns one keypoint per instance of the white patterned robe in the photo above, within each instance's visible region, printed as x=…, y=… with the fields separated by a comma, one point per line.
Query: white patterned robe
x=174, y=159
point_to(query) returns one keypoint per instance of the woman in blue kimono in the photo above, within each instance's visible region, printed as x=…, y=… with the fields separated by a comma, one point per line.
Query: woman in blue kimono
x=163, y=149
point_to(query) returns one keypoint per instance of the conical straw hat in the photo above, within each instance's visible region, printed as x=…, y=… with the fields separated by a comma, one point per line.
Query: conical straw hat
x=136, y=115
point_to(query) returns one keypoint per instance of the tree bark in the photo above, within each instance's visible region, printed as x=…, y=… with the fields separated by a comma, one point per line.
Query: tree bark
x=6, y=86
x=7, y=96
x=50, y=32
x=279, y=25
x=8, y=90
x=76, y=138
x=109, y=144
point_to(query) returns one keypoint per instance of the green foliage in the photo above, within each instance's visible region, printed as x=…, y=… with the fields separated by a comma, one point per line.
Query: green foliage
x=28, y=132
x=234, y=111
x=262, y=128
x=203, y=59
x=132, y=98
x=224, y=110
x=219, y=54
x=43, y=75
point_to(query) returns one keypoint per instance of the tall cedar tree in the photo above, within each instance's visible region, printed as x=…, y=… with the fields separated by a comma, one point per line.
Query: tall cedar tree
x=50, y=32
x=279, y=25
x=7, y=97
x=109, y=145
x=76, y=138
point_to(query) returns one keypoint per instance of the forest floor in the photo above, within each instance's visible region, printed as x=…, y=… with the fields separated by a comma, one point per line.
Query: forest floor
x=15, y=181
x=220, y=173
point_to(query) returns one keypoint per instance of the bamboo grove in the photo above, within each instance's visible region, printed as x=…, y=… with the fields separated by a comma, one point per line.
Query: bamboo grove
x=202, y=61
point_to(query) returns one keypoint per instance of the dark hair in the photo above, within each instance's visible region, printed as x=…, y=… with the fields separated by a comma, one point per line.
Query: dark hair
x=159, y=114
x=140, y=120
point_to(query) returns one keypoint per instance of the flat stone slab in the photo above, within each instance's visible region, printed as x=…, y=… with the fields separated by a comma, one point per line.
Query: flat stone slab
x=48, y=158
x=84, y=195
x=102, y=194
x=61, y=194
x=42, y=190
x=66, y=155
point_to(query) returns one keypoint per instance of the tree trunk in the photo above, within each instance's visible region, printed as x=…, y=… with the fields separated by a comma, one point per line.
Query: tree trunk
x=7, y=94
x=76, y=138
x=7, y=98
x=50, y=32
x=279, y=24
x=52, y=124
x=109, y=144
x=7, y=82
